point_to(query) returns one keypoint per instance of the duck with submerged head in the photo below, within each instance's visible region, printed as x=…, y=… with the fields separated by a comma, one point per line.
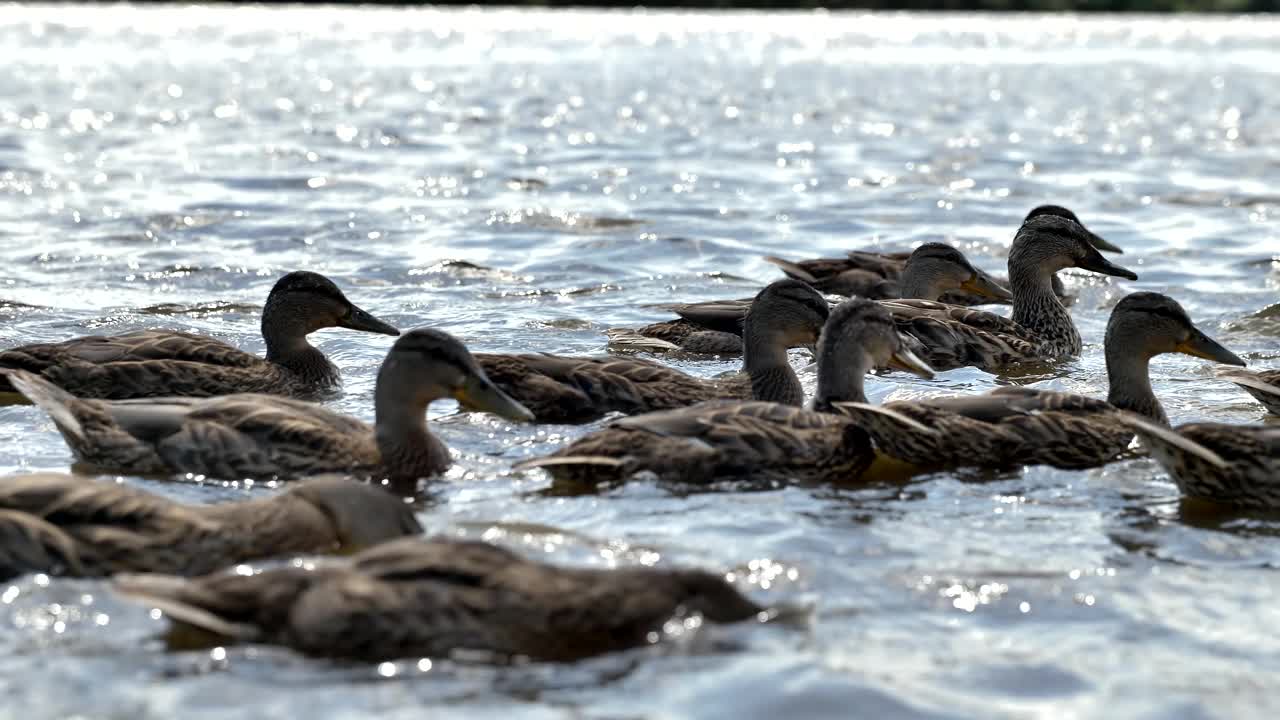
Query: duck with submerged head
x=1015, y=426
x=60, y=524
x=715, y=327
x=563, y=389
x=726, y=440
x=162, y=363
x=262, y=437
x=875, y=275
x=435, y=597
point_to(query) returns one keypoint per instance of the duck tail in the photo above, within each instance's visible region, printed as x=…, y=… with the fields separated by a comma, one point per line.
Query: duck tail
x=55, y=401
x=1247, y=380
x=30, y=544
x=791, y=269
x=626, y=340
x=178, y=598
x=574, y=460
x=899, y=421
x=1154, y=434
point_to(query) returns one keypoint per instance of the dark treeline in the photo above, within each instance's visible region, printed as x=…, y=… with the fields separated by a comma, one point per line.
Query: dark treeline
x=1242, y=6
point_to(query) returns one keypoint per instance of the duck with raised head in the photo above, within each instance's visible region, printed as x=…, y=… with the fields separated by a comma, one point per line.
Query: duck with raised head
x=164, y=363
x=715, y=327
x=725, y=440
x=60, y=524
x=562, y=389
x=1015, y=426
x=1237, y=465
x=876, y=275
x=1263, y=385
x=265, y=436
x=949, y=336
x=417, y=597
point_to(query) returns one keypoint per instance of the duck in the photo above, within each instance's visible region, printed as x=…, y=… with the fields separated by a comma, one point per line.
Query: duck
x=729, y=440
x=1014, y=426
x=1040, y=329
x=875, y=275
x=715, y=327
x=263, y=437
x=560, y=389
x=1234, y=465
x=1263, y=385
x=164, y=363
x=434, y=597
x=59, y=524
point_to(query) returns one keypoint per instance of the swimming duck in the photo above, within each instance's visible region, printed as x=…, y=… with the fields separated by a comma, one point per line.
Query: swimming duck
x=715, y=327
x=1021, y=426
x=419, y=597
x=561, y=389
x=949, y=336
x=722, y=440
x=1229, y=464
x=162, y=363
x=1263, y=385
x=875, y=275
x=61, y=524
x=265, y=436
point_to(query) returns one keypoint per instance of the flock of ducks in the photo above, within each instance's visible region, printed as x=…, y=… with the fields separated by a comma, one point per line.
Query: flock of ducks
x=161, y=403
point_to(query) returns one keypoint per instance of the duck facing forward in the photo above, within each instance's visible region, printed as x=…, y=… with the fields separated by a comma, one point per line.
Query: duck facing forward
x=876, y=275
x=61, y=524
x=949, y=336
x=931, y=271
x=1235, y=465
x=727, y=440
x=162, y=363
x=562, y=389
x=1020, y=426
x=264, y=436
x=434, y=597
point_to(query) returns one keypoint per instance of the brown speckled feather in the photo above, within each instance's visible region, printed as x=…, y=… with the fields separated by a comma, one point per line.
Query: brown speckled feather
x=948, y=337
x=1231, y=464
x=231, y=437
x=414, y=598
x=79, y=527
x=721, y=440
x=1005, y=428
x=571, y=390
x=1263, y=385
x=156, y=363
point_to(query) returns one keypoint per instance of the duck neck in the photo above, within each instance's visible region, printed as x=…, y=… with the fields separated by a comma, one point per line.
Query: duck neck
x=1037, y=308
x=764, y=360
x=408, y=449
x=1129, y=381
x=840, y=377
x=287, y=347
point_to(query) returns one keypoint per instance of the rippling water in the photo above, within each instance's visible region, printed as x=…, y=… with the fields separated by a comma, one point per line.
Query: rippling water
x=163, y=167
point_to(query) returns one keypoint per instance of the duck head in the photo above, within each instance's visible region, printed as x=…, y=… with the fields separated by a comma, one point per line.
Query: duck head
x=1046, y=244
x=303, y=302
x=936, y=268
x=1059, y=211
x=1147, y=324
x=787, y=312
x=859, y=336
x=427, y=364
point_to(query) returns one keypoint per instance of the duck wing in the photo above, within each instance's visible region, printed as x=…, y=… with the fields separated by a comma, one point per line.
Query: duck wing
x=949, y=336
x=571, y=389
x=714, y=441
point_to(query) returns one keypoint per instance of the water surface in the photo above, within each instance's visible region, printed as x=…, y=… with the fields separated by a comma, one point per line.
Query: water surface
x=160, y=168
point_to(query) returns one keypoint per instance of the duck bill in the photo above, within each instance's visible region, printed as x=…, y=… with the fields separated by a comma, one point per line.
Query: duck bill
x=1202, y=346
x=904, y=359
x=1094, y=262
x=365, y=322
x=984, y=285
x=478, y=393
x=1097, y=241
